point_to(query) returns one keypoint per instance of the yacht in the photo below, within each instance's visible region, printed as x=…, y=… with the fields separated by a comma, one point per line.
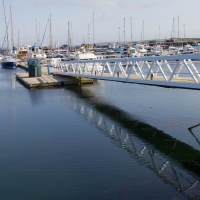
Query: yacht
x=89, y=66
x=188, y=49
x=132, y=52
x=22, y=53
x=140, y=49
x=157, y=50
x=9, y=62
x=172, y=50
x=36, y=52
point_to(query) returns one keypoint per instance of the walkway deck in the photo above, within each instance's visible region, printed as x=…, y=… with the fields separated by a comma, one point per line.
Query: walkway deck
x=181, y=71
x=46, y=80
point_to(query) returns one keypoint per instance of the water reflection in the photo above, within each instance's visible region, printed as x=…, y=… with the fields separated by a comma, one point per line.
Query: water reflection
x=173, y=161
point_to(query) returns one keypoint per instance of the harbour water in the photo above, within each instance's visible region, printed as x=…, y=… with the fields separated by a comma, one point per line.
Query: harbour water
x=107, y=140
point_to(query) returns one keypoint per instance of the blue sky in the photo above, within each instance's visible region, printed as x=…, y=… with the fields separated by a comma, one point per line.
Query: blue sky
x=108, y=17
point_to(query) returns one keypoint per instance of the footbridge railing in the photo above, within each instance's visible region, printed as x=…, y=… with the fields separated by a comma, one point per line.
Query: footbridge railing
x=169, y=71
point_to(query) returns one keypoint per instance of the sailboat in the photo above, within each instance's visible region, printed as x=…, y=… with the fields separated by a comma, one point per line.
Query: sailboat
x=8, y=61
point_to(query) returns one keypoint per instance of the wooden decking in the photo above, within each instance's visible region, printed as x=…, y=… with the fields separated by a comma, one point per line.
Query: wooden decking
x=46, y=80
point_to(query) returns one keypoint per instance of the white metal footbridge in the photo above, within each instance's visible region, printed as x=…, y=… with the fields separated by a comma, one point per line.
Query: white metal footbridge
x=182, y=71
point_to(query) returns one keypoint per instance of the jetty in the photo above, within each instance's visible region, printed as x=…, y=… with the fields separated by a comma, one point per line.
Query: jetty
x=47, y=80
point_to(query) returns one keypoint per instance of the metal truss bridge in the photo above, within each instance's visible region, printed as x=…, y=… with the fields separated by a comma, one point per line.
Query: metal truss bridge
x=181, y=71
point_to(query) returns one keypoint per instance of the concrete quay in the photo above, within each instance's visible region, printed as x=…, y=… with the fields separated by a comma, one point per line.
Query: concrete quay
x=47, y=80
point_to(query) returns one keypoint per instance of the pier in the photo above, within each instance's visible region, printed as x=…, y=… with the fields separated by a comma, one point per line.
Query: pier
x=47, y=80
x=179, y=71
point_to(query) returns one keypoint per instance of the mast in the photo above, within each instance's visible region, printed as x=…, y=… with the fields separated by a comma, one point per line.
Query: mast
x=124, y=31
x=143, y=31
x=131, y=31
x=24, y=37
x=84, y=40
x=178, y=28
x=174, y=27
x=6, y=25
x=119, y=35
x=36, y=32
x=88, y=36
x=93, y=28
x=18, y=39
x=50, y=35
x=68, y=36
x=39, y=34
x=12, y=38
x=159, y=35
x=71, y=39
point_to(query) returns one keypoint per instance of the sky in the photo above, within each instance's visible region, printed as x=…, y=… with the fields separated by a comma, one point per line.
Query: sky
x=30, y=17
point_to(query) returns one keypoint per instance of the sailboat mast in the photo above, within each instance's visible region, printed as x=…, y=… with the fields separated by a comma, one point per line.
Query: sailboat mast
x=174, y=27
x=93, y=28
x=6, y=25
x=131, y=31
x=124, y=31
x=143, y=31
x=159, y=35
x=12, y=38
x=39, y=34
x=119, y=35
x=50, y=35
x=18, y=39
x=88, y=36
x=24, y=37
x=36, y=33
x=68, y=37
x=178, y=28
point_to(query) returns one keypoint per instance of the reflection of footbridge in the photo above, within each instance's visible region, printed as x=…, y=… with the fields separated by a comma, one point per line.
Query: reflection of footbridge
x=173, y=161
x=168, y=71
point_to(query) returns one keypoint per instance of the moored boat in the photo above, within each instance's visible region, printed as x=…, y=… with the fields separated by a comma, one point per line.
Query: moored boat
x=22, y=53
x=89, y=66
x=9, y=62
x=188, y=49
x=172, y=50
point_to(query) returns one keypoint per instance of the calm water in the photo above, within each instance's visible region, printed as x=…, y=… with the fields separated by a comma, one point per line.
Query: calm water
x=106, y=140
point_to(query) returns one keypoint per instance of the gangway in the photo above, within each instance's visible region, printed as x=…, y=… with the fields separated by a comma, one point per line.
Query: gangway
x=181, y=71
